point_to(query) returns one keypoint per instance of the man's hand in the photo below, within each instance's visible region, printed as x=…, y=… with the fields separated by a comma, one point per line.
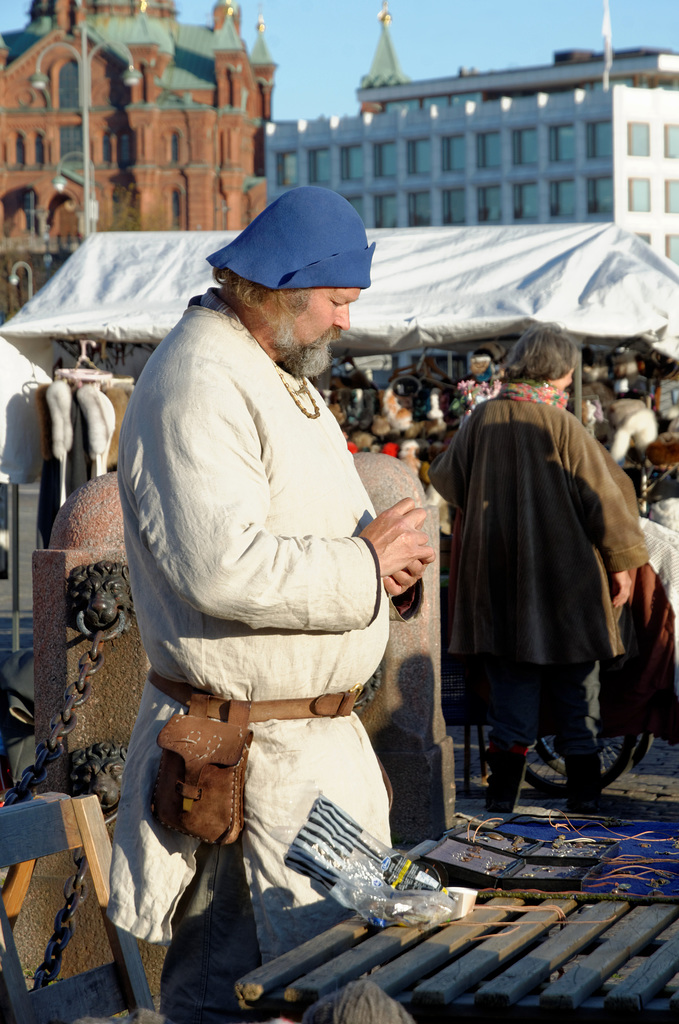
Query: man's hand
x=402, y=548
x=621, y=587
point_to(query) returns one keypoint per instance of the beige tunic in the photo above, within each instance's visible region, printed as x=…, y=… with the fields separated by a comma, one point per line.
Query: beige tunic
x=240, y=522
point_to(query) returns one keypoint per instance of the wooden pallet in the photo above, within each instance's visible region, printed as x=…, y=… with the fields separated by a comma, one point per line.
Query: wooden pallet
x=36, y=829
x=506, y=960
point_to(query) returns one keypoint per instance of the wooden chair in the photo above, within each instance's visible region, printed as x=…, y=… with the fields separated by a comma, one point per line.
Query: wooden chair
x=37, y=828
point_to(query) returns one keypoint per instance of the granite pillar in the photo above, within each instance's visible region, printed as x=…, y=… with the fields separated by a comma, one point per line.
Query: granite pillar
x=88, y=529
x=404, y=721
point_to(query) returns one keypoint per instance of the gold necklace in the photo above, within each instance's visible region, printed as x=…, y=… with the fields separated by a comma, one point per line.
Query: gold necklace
x=301, y=390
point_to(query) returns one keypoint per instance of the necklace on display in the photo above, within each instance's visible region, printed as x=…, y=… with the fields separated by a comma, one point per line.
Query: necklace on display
x=303, y=391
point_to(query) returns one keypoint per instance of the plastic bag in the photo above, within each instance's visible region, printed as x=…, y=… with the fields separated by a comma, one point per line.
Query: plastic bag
x=363, y=874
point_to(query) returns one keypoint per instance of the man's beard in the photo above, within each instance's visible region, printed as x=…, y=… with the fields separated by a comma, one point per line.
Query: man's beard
x=304, y=360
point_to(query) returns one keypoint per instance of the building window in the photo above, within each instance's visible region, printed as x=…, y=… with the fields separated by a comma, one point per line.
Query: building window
x=672, y=247
x=176, y=212
x=357, y=203
x=672, y=142
x=561, y=143
x=489, y=203
x=286, y=168
x=39, y=150
x=638, y=140
x=644, y=237
x=106, y=152
x=419, y=209
x=435, y=101
x=562, y=198
x=453, y=156
x=70, y=141
x=351, y=163
x=419, y=156
x=525, y=146
x=488, y=149
x=124, y=150
x=319, y=166
x=69, y=94
x=525, y=201
x=28, y=204
x=385, y=212
x=454, y=210
x=174, y=148
x=599, y=139
x=384, y=159
x=599, y=195
x=672, y=197
x=20, y=151
x=639, y=195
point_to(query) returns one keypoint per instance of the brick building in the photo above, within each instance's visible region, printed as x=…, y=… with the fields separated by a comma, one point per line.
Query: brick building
x=182, y=148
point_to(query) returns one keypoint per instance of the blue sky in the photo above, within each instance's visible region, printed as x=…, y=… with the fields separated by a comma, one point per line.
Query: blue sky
x=323, y=47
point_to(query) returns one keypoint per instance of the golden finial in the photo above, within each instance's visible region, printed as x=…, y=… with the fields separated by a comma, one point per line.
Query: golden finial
x=142, y=6
x=261, y=27
x=384, y=16
x=229, y=11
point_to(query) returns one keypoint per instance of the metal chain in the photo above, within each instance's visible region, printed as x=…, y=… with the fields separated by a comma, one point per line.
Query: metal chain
x=49, y=750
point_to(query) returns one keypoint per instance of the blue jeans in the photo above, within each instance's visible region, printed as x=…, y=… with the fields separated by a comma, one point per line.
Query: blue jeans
x=514, y=710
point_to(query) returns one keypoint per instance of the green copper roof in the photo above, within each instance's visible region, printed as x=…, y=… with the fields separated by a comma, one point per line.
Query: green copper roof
x=226, y=38
x=18, y=42
x=385, y=69
x=260, y=51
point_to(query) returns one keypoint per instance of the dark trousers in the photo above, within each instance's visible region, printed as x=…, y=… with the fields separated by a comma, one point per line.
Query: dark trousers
x=214, y=941
x=514, y=710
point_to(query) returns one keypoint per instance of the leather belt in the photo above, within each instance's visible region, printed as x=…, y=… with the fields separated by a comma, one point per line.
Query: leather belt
x=327, y=705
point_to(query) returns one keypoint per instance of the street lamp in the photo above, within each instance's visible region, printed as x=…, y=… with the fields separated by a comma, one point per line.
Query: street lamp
x=14, y=277
x=91, y=206
x=40, y=81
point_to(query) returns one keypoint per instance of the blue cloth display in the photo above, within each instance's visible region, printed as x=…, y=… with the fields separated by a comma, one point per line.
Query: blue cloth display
x=643, y=862
x=309, y=237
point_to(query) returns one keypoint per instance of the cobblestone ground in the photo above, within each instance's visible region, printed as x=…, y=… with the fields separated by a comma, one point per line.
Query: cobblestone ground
x=648, y=792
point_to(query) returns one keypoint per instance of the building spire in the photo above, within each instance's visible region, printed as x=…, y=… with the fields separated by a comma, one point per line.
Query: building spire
x=260, y=51
x=386, y=69
x=384, y=16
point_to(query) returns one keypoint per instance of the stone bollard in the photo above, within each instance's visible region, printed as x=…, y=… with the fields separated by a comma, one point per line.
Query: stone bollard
x=405, y=721
x=87, y=530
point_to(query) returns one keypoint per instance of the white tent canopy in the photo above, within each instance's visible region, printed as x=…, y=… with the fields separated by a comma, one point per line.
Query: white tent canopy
x=432, y=288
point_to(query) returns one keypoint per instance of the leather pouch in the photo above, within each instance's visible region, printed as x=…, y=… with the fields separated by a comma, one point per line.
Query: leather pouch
x=201, y=779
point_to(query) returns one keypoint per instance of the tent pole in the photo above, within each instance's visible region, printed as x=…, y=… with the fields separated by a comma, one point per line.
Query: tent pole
x=577, y=388
x=14, y=563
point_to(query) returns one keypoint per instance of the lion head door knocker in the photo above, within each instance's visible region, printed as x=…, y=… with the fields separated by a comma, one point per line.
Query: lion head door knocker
x=98, y=769
x=100, y=598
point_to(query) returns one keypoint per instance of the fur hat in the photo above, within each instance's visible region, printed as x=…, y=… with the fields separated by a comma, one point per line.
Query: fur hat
x=359, y=1002
x=666, y=512
x=309, y=237
x=633, y=422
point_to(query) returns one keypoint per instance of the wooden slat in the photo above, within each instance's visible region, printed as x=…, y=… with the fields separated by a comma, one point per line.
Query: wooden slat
x=441, y=947
x=474, y=966
x=36, y=829
x=353, y=963
x=620, y=943
x=14, y=995
x=15, y=887
x=632, y=994
x=301, y=960
x=507, y=988
x=94, y=992
x=97, y=847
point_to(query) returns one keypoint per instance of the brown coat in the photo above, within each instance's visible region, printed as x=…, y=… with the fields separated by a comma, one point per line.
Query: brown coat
x=547, y=513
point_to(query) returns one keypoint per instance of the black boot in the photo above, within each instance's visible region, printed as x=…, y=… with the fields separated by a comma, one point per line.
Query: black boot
x=583, y=782
x=504, y=784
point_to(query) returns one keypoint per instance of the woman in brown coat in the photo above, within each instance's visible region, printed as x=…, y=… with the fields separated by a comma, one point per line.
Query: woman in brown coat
x=550, y=530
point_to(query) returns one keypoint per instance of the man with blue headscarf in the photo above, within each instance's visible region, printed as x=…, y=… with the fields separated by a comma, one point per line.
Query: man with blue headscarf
x=258, y=571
